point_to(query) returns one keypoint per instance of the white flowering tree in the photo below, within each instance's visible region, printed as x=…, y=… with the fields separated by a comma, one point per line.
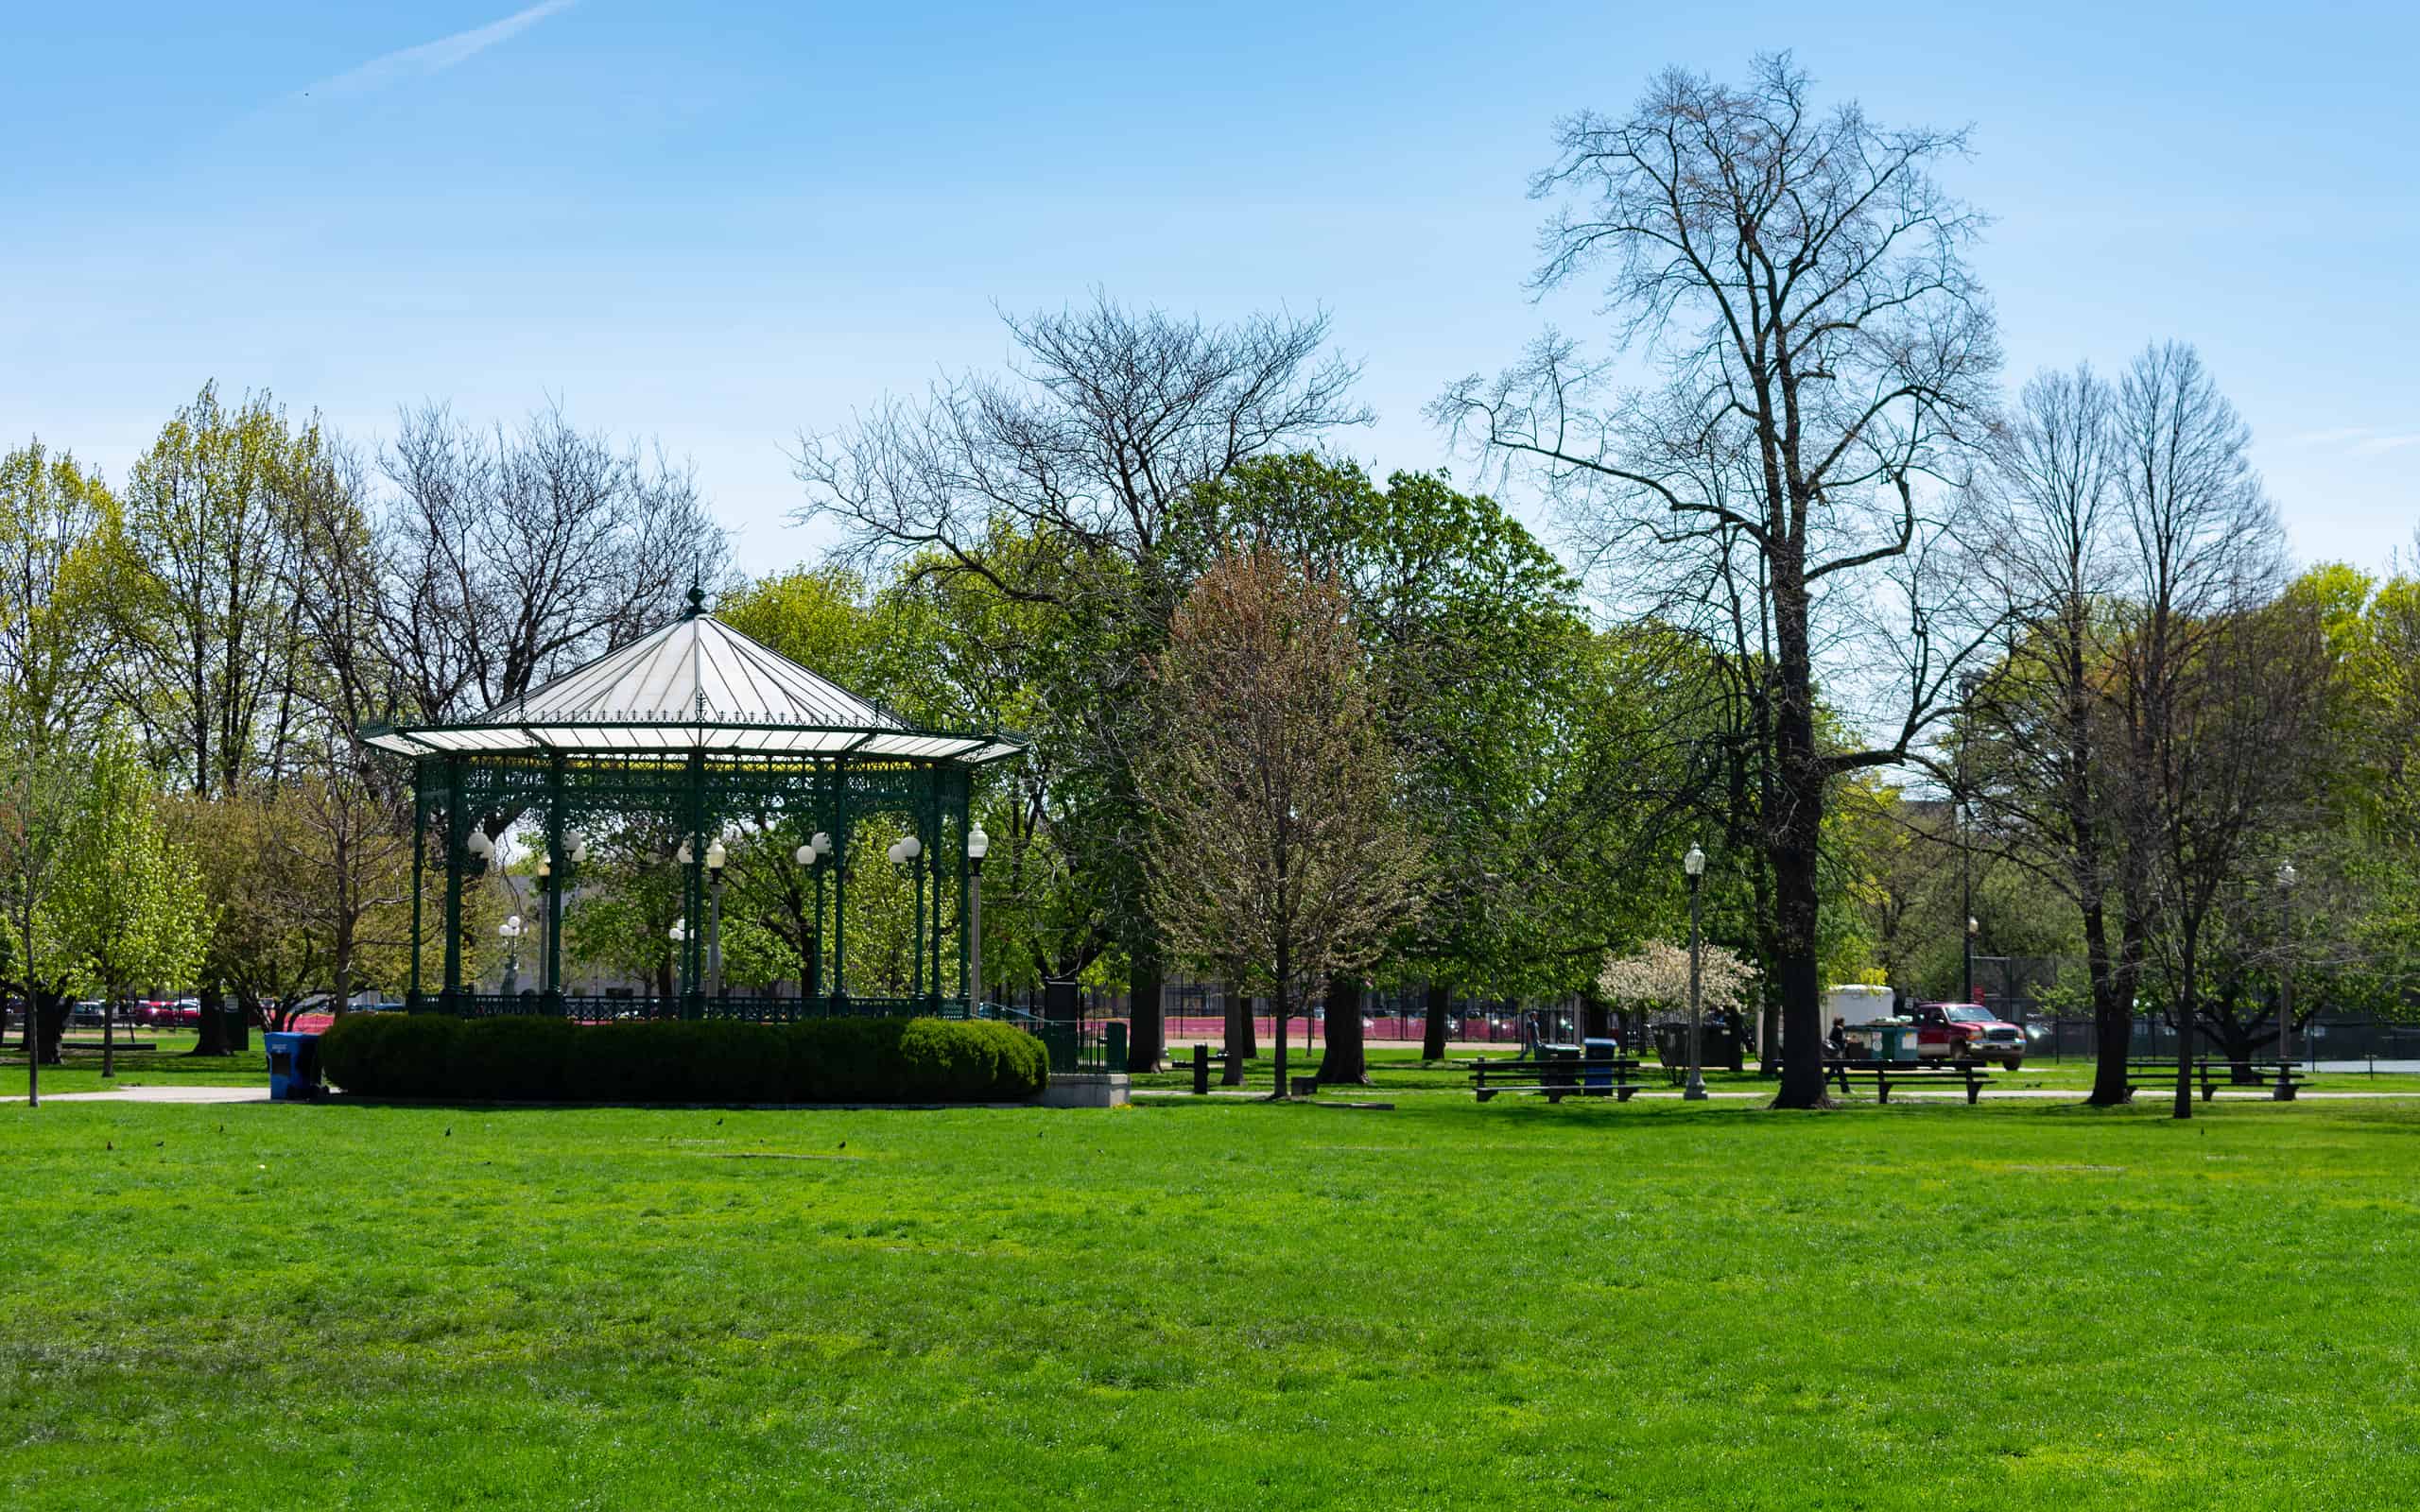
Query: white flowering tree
x=1656, y=975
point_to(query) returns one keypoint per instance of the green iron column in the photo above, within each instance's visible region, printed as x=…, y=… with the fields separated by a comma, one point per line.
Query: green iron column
x=551, y=970
x=967, y=923
x=933, y=861
x=693, y=920
x=420, y=863
x=841, y=843
x=454, y=838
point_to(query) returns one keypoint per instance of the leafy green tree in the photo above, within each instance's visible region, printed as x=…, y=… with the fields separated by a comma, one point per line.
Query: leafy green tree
x=1053, y=486
x=129, y=896
x=61, y=558
x=41, y=794
x=1487, y=682
x=210, y=618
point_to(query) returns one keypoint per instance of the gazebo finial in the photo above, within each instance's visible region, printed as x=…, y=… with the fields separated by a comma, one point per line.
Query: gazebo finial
x=696, y=599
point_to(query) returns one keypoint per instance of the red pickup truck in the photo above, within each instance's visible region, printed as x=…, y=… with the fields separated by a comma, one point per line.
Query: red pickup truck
x=1960, y=1031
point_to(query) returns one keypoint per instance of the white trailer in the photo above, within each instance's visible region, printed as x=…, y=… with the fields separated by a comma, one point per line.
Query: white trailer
x=1857, y=1002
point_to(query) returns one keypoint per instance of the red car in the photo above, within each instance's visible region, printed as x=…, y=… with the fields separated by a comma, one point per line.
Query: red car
x=1964, y=1031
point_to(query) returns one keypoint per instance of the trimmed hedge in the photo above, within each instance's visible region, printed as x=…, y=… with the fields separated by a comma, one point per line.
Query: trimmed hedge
x=546, y=1061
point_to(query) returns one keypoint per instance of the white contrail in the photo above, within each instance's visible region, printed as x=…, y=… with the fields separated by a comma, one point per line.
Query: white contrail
x=436, y=57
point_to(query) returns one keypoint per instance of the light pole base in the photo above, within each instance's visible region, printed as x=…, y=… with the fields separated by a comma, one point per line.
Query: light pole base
x=1695, y=1091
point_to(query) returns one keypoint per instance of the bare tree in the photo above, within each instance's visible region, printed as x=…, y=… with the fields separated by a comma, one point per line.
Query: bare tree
x=2053, y=790
x=1286, y=844
x=508, y=556
x=1053, y=485
x=2204, y=551
x=1798, y=278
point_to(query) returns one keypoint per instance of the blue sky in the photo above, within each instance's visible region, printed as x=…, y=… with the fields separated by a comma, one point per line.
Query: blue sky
x=722, y=223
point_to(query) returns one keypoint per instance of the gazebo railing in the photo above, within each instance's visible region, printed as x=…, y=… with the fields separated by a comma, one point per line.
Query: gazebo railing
x=585, y=1008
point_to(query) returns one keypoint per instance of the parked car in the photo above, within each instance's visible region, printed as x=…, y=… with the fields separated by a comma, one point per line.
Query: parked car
x=1962, y=1031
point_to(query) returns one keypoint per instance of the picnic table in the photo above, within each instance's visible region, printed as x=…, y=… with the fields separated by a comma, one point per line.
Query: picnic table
x=1613, y=1076
x=2213, y=1072
x=1884, y=1074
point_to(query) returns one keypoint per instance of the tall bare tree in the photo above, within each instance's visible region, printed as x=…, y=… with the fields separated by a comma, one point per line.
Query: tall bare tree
x=2203, y=708
x=2053, y=788
x=1285, y=840
x=1797, y=279
x=509, y=556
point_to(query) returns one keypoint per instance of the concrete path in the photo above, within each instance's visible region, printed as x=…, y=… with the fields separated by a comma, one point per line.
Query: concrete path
x=160, y=1094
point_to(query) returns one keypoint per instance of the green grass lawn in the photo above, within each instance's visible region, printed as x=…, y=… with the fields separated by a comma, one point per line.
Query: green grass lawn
x=1211, y=1304
x=164, y=1061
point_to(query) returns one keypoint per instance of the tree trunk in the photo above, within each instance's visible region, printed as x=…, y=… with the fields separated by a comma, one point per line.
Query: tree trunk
x=1280, y=1018
x=2236, y=1039
x=1793, y=840
x=1794, y=853
x=1145, y=1019
x=1239, y=1037
x=2184, y=1012
x=50, y=1014
x=2112, y=1021
x=1596, y=1017
x=109, y=1037
x=1432, y=1031
x=1347, y=1061
x=1285, y=1004
x=212, y=1040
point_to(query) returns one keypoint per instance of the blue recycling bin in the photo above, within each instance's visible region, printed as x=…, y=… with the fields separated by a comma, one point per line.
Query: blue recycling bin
x=293, y=1067
x=1596, y=1066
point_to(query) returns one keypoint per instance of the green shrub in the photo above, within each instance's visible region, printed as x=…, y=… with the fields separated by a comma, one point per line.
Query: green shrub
x=823, y=1060
x=391, y=1055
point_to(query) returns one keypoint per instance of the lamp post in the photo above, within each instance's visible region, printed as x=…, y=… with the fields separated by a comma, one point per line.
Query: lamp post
x=715, y=859
x=1972, y=930
x=575, y=851
x=810, y=856
x=909, y=852
x=509, y=932
x=978, y=845
x=679, y=935
x=1693, y=866
x=545, y=920
x=2284, y=1090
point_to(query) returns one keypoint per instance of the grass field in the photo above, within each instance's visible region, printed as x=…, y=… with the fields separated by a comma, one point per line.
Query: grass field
x=1211, y=1304
x=163, y=1063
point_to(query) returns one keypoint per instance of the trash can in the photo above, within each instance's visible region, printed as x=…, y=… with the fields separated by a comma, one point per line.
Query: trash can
x=1896, y=1041
x=1061, y=1040
x=1558, y=1065
x=1596, y=1066
x=293, y=1067
x=1113, y=1045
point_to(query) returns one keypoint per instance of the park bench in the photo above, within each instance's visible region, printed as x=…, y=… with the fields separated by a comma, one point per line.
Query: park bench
x=1615, y=1077
x=1884, y=1074
x=1200, y=1065
x=2280, y=1078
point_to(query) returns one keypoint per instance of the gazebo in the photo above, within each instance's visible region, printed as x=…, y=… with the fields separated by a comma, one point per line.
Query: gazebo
x=700, y=729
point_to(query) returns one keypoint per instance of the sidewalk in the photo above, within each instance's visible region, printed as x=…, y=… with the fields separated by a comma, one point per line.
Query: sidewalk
x=159, y=1094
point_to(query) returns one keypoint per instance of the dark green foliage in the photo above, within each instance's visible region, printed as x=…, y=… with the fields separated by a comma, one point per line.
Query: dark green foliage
x=828, y=1060
x=388, y=1055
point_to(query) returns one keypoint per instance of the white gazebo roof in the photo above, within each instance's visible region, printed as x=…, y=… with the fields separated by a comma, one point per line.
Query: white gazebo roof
x=696, y=684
